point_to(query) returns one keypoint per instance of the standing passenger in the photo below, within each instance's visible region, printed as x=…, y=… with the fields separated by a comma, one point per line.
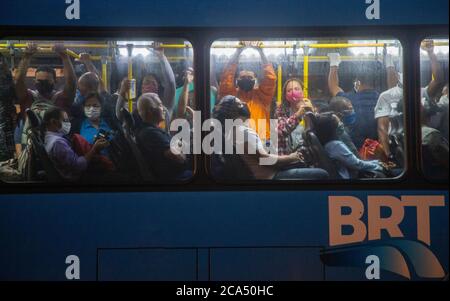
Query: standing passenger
x=258, y=98
x=363, y=100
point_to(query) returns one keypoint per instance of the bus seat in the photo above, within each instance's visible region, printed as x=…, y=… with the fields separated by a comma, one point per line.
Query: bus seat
x=128, y=131
x=319, y=156
x=38, y=149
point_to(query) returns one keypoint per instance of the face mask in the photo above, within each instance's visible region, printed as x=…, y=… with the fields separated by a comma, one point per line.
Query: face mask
x=92, y=112
x=294, y=97
x=244, y=112
x=443, y=100
x=79, y=98
x=65, y=128
x=44, y=87
x=149, y=88
x=246, y=84
x=349, y=119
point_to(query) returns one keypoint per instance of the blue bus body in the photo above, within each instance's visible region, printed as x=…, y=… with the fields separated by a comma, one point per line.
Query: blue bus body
x=204, y=230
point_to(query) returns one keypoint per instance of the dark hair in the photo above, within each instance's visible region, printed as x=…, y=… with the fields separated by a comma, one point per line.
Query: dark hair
x=93, y=94
x=338, y=104
x=228, y=108
x=160, y=91
x=52, y=113
x=366, y=75
x=325, y=125
x=48, y=70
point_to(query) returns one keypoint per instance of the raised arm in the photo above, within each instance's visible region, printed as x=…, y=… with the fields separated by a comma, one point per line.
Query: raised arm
x=269, y=81
x=168, y=78
x=184, y=96
x=227, y=85
x=70, y=85
x=391, y=73
x=123, y=96
x=333, y=78
x=21, y=88
x=85, y=58
x=438, y=77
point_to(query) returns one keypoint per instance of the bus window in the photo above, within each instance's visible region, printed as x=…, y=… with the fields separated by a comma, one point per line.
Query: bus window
x=94, y=111
x=434, y=108
x=307, y=109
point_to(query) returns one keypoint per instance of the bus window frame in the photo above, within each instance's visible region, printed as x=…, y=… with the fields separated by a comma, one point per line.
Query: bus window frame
x=95, y=38
x=401, y=177
x=419, y=158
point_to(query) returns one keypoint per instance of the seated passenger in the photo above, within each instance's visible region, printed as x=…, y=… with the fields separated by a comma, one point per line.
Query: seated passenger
x=59, y=148
x=347, y=164
x=45, y=96
x=155, y=143
x=343, y=108
x=231, y=108
x=258, y=98
x=93, y=119
x=435, y=150
x=363, y=99
x=290, y=116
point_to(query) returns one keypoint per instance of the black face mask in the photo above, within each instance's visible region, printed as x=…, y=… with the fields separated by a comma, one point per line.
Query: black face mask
x=246, y=84
x=44, y=87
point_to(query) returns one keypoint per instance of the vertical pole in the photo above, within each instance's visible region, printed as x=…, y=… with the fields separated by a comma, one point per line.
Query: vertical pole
x=279, y=83
x=306, y=72
x=105, y=73
x=130, y=74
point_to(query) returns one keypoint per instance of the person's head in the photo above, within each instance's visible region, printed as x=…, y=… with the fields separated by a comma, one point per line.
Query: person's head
x=365, y=78
x=56, y=120
x=325, y=125
x=445, y=90
x=45, y=78
x=343, y=109
x=293, y=91
x=150, y=108
x=150, y=84
x=88, y=82
x=246, y=80
x=92, y=106
x=231, y=107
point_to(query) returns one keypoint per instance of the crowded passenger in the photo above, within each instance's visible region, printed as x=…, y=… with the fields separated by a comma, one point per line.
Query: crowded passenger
x=388, y=103
x=164, y=160
x=435, y=149
x=70, y=165
x=257, y=96
x=363, y=99
x=45, y=96
x=290, y=116
x=284, y=167
x=343, y=108
x=348, y=165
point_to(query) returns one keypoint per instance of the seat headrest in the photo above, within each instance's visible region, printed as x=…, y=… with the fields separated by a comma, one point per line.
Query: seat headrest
x=33, y=118
x=128, y=118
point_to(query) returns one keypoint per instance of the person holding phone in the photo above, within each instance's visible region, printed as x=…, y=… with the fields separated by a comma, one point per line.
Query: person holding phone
x=290, y=116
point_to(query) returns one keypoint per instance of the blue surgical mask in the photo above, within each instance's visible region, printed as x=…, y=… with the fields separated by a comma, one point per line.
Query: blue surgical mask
x=79, y=99
x=349, y=119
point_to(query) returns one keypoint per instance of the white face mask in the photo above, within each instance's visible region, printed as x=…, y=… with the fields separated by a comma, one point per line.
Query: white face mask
x=65, y=128
x=443, y=100
x=92, y=112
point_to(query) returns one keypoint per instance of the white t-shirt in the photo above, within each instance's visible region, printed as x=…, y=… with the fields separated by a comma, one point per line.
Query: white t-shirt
x=388, y=101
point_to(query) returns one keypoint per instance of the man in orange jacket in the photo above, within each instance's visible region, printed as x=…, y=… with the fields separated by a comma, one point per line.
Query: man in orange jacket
x=258, y=98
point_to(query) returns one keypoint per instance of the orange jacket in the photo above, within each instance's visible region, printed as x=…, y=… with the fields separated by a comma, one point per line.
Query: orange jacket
x=258, y=100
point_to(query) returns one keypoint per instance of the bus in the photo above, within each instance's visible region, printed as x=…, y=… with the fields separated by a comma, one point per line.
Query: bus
x=108, y=111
